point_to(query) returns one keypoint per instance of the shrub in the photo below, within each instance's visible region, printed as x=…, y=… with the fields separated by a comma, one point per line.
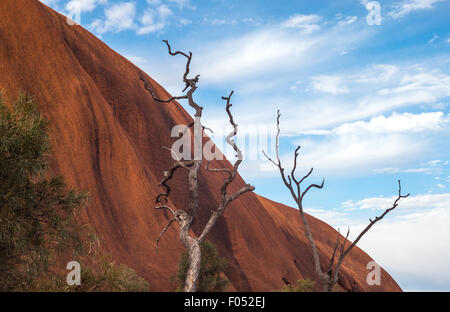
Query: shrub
x=104, y=275
x=303, y=285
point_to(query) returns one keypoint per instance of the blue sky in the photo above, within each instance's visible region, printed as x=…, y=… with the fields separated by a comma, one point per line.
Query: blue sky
x=369, y=104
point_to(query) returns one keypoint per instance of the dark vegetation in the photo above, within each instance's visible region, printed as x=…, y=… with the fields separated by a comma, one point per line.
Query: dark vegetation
x=303, y=285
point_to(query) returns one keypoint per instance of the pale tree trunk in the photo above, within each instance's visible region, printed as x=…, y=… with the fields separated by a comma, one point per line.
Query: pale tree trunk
x=195, y=259
x=192, y=244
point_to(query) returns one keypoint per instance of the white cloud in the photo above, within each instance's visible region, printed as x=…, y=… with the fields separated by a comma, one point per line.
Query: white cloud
x=299, y=20
x=329, y=84
x=407, y=6
x=331, y=216
x=184, y=21
x=435, y=167
x=181, y=3
x=148, y=20
x=267, y=51
x=434, y=163
x=253, y=21
x=435, y=37
x=154, y=20
x=122, y=16
x=378, y=74
x=417, y=80
x=83, y=5
x=244, y=59
x=347, y=155
x=366, y=146
x=440, y=185
x=219, y=21
x=295, y=86
x=396, y=123
x=250, y=54
x=348, y=20
x=412, y=203
x=118, y=17
x=425, y=170
x=164, y=12
x=308, y=23
x=136, y=59
x=370, y=92
x=50, y=2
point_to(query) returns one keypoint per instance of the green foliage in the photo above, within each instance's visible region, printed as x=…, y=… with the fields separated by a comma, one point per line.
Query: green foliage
x=211, y=270
x=37, y=214
x=105, y=275
x=99, y=273
x=108, y=276
x=39, y=217
x=303, y=285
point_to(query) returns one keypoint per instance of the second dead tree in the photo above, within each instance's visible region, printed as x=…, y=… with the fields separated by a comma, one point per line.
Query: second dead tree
x=330, y=276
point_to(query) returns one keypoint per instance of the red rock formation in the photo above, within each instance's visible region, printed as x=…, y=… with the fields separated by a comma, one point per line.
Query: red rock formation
x=107, y=135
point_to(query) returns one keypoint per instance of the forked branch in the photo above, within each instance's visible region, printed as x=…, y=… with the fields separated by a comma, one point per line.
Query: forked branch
x=226, y=198
x=367, y=228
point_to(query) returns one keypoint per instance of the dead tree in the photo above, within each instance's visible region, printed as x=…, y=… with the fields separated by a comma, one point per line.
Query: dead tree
x=330, y=276
x=186, y=217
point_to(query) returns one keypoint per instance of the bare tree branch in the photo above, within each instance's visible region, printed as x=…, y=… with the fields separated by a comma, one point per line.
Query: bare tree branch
x=311, y=186
x=168, y=175
x=189, y=83
x=306, y=176
x=333, y=255
x=167, y=208
x=217, y=169
x=367, y=228
x=164, y=231
x=226, y=199
x=295, y=165
x=147, y=86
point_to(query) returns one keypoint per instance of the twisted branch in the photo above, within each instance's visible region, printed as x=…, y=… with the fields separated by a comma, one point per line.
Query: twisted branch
x=168, y=175
x=367, y=228
x=226, y=198
x=189, y=83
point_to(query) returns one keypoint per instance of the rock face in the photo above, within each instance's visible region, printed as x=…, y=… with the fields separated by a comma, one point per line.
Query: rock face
x=107, y=135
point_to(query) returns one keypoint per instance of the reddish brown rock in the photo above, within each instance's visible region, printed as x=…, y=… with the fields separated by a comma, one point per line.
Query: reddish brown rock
x=107, y=136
